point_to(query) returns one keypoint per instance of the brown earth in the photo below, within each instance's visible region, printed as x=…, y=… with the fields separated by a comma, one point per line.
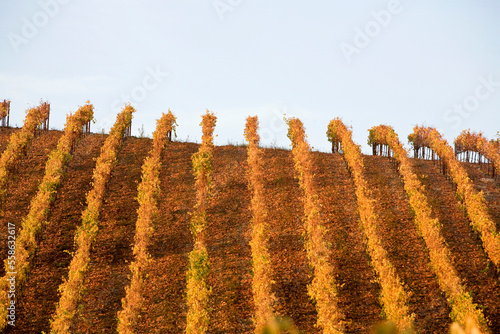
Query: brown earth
x=288, y=258
x=5, y=134
x=227, y=243
x=228, y=236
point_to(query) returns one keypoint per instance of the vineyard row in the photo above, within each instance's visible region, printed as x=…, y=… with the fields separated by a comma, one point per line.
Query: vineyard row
x=322, y=290
x=40, y=204
x=72, y=288
x=197, y=289
x=263, y=296
x=463, y=310
x=474, y=201
x=148, y=192
x=394, y=298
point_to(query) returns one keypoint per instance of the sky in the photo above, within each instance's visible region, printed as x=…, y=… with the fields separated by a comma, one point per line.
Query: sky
x=399, y=63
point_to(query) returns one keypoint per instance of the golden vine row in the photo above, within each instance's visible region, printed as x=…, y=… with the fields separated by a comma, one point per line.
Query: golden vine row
x=323, y=289
x=72, y=288
x=4, y=107
x=197, y=290
x=394, y=298
x=148, y=192
x=261, y=260
x=474, y=201
x=40, y=204
x=471, y=141
x=463, y=310
x=18, y=144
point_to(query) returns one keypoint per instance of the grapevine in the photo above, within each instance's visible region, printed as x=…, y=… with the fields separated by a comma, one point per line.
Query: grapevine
x=394, y=298
x=323, y=289
x=474, y=201
x=148, y=192
x=72, y=288
x=18, y=144
x=458, y=298
x=261, y=260
x=40, y=204
x=198, y=291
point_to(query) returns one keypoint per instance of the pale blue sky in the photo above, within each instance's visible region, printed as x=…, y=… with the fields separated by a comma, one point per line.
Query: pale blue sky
x=413, y=61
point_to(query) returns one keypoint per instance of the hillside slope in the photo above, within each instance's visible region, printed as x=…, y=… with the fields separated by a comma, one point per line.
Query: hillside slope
x=5, y=136
x=471, y=262
x=24, y=181
x=107, y=274
x=164, y=307
x=406, y=249
x=52, y=258
x=358, y=288
x=228, y=239
x=286, y=247
x=489, y=186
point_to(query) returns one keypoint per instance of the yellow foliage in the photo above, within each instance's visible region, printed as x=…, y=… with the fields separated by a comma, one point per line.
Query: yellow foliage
x=148, y=192
x=474, y=201
x=39, y=206
x=323, y=289
x=197, y=290
x=394, y=298
x=18, y=144
x=471, y=141
x=460, y=301
x=72, y=288
x=262, y=271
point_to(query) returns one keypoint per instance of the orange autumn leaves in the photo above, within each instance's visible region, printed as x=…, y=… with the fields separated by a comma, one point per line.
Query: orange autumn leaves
x=261, y=259
x=19, y=142
x=394, y=298
x=148, y=192
x=197, y=290
x=471, y=141
x=474, y=201
x=40, y=204
x=463, y=310
x=322, y=290
x=72, y=288
x=4, y=108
